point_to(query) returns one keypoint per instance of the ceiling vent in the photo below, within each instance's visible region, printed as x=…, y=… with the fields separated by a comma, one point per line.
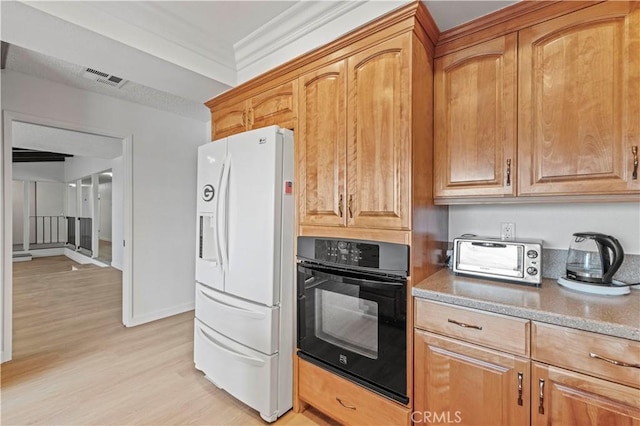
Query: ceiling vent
x=103, y=77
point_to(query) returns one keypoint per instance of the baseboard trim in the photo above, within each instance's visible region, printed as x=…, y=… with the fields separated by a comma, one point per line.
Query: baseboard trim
x=82, y=259
x=59, y=251
x=163, y=313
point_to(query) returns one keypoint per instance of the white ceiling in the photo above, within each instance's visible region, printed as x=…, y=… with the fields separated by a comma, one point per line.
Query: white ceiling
x=182, y=53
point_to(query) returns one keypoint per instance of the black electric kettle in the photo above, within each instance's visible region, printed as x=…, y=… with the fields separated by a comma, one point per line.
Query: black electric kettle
x=594, y=258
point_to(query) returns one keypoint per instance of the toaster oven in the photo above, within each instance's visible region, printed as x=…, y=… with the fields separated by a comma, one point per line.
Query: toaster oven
x=517, y=261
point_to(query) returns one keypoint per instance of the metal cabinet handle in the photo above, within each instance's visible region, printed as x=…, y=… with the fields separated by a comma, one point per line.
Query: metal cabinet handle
x=541, y=405
x=508, y=171
x=520, y=377
x=613, y=361
x=350, y=206
x=350, y=407
x=244, y=119
x=340, y=205
x=634, y=151
x=463, y=325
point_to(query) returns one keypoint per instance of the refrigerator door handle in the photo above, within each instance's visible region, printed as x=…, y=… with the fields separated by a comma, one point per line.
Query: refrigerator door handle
x=245, y=312
x=222, y=213
x=248, y=359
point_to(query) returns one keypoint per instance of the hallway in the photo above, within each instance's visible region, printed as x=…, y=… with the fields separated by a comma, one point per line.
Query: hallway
x=74, y=363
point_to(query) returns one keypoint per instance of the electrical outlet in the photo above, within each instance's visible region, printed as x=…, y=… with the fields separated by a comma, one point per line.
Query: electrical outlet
x=507, y=231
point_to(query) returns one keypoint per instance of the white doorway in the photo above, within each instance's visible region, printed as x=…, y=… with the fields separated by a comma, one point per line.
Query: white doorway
x=12, y=121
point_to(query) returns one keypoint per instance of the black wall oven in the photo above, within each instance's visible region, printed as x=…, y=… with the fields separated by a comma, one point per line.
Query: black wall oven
x=352, y=298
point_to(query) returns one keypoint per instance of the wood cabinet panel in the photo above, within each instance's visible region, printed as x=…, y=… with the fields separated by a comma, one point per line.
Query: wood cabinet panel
x=347, y=402
x=379, y=136
x=497, y=331
x=573, y=349
x=275, y=106
x=561, y=397
x=579, y=96
x=229, y=120
x=321, y=144
x=476, y=120
x=468, y=384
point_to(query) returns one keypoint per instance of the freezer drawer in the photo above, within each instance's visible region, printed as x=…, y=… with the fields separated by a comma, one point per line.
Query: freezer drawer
x=253, y=325
x=250, y=376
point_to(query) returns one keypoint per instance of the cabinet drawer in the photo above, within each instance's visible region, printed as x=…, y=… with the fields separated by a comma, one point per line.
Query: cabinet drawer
x=251, y=324
x=232, y=366
x=587, y=352
x=345, y=401
x=496, y=331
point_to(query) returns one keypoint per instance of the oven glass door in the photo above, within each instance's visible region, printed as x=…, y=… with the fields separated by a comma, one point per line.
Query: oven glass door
x=356, y=323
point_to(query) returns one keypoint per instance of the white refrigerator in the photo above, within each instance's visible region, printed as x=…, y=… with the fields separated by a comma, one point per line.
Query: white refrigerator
x=244, y=321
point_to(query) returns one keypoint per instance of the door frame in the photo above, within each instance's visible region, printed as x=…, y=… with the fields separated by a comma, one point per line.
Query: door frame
x=6, y=218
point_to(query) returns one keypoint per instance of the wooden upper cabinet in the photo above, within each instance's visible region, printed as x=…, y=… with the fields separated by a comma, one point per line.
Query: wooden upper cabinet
x=320, y=143
x=476, y=120
x=579, y=96
x=229, y=120
x=379, y=135
x=275, y=106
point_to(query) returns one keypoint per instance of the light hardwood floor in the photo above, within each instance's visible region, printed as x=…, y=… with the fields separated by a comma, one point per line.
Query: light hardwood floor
x=74, y=363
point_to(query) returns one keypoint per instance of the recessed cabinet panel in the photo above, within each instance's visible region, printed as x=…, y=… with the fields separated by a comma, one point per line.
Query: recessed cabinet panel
x=275, y=106
x=469, y=384
x=579, y=97
x=562, y=397
x=475, y=120
x=379, y=135
x=321, y=147
x=229, y=120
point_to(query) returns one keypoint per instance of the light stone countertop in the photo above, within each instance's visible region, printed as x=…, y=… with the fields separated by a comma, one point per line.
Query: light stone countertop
x=617, y=316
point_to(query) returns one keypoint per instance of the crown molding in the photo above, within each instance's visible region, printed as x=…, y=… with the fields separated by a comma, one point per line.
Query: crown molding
x=293, y=24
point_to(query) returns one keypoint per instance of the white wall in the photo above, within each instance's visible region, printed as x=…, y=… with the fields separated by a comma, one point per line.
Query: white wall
x=45, y=199
x=80, y=167
x=49, y=198
x=164, y=179
x=105, y=211
x=72, y=200
x=47, y=171
x=553, y=223
x=18, y=213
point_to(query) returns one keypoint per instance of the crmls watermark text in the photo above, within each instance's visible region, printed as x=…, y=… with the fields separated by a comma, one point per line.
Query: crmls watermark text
x=436, y=417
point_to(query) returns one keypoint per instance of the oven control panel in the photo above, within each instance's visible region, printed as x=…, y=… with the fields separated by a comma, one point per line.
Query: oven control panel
x=348, y=253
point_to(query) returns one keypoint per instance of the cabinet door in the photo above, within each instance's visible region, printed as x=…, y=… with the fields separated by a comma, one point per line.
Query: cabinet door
x=228, y=120
x=475, y=120
x=561, y=397
x=579, y=98
x=320, y=142
x=275, y=106
x=379, y=135
x=468, y=384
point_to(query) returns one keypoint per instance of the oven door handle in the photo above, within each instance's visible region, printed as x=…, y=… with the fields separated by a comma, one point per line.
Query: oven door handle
x=372, y=284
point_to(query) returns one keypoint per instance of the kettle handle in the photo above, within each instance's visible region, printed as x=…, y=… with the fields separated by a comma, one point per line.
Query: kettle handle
x=608, y=270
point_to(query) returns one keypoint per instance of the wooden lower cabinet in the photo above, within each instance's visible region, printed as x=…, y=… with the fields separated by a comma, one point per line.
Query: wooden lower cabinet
x=463, y=383
x=563, y=397
x=346, y=401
